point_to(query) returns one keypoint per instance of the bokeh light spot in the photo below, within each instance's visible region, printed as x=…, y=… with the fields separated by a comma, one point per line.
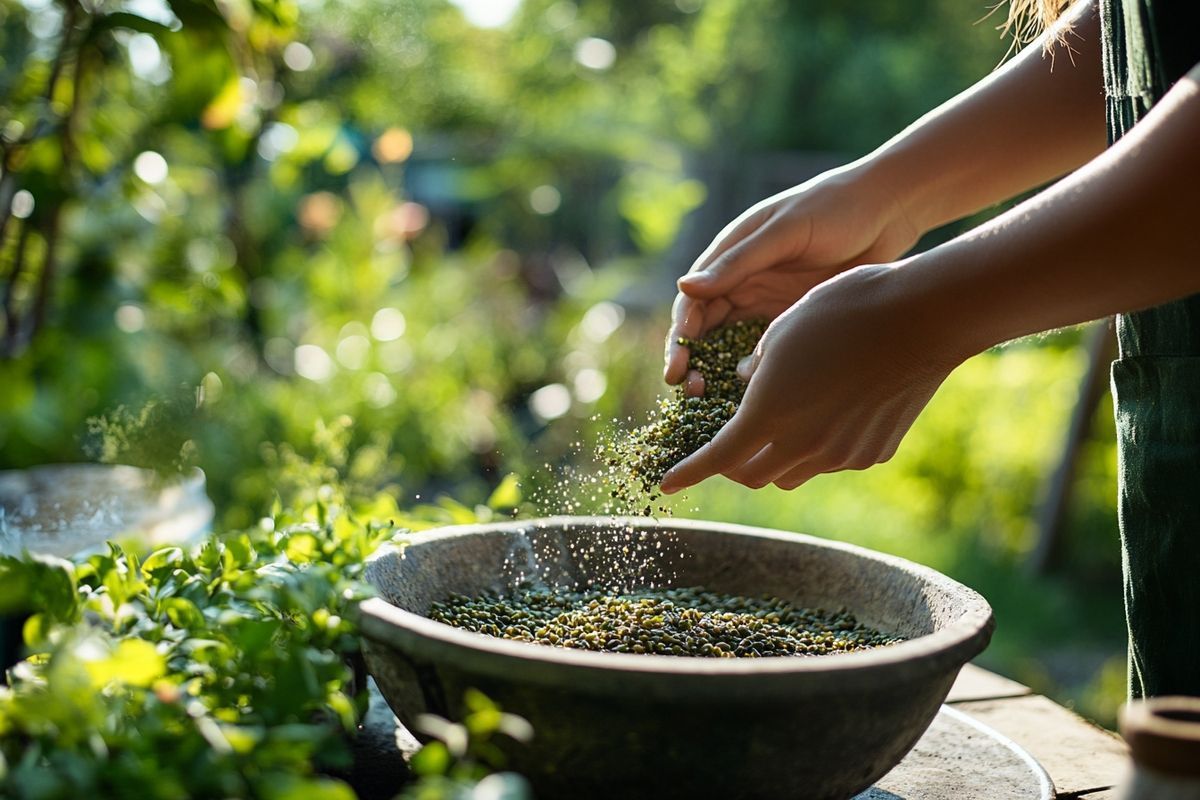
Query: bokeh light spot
x=388, y=324
x=319, y=212
x=545, y=199
x=130, y=318
x=145, y=57
x=312, y=362
x=595, y=53
x=590, y=385
x=393, y=146
x=298, y=57
x=352, y=351
x=487, y=13
x=379, y=390
x=550, y=402
x=151, y=167
x=601, y=320
x=279, y=138
x=22, y=204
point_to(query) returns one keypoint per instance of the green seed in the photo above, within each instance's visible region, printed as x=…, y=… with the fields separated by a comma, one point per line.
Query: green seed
x=677, y=622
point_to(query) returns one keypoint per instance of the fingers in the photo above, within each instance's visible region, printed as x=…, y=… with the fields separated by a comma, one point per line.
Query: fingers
x=693, y=385
x=748, y=365
x=766, y=247
x=732, y=445
x=687, y=317
x=676, y=362
x=765, y=467
x=798, y=475
x=691, y=319
x=865, y=457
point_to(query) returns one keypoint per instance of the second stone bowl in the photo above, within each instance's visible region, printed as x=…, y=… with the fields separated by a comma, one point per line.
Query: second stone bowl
x=610, y=725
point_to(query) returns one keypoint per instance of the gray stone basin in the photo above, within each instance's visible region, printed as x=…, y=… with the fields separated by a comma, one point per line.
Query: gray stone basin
x=613, y=725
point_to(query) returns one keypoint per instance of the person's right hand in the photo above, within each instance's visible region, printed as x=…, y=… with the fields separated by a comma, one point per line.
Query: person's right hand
x=776, y=251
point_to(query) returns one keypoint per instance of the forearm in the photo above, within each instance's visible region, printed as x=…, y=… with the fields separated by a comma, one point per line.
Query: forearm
x=1036, y=118
x=1120, y=234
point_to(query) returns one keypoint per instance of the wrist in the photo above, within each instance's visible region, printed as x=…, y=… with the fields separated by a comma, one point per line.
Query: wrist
x=929, y=295
x=888, y=176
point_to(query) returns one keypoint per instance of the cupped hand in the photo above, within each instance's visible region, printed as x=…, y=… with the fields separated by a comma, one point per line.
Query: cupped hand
x=774, y=253
x=835, y=383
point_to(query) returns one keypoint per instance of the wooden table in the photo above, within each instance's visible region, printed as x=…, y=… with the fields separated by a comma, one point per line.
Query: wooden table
x=1083, y=760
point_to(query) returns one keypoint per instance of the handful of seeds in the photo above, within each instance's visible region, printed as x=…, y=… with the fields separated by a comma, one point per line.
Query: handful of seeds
x=683, y=424
x=665, y=622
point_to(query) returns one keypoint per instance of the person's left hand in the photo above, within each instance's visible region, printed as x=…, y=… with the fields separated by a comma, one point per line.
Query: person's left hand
x=835, y=383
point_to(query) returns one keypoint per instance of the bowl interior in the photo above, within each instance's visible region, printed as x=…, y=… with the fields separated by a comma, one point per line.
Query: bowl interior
x=887, y=593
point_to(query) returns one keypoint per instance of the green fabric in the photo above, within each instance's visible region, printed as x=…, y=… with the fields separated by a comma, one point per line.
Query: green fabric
x=1148, y=45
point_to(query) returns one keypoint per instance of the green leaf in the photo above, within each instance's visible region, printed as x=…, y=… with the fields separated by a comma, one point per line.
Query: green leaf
x=459, y=513
x=507, y=495
x=38, y=583
x=476, y=700
x=184, y=614
x=292, y=787
x=134, y=662
x=432, y=759
x=302, y=548
x=242, y=738
x=36, y=631
x=484, y=722
x=162, y=562
x=133, y=22
x=199, y=14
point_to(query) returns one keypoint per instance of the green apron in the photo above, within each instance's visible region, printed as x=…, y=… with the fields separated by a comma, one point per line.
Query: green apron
x=1148, y=45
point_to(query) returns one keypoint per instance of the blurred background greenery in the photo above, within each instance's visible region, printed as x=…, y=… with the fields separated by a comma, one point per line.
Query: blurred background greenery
x=423, y=244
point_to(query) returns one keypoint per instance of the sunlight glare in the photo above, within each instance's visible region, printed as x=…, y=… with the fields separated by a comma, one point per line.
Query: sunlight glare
x=488, y=13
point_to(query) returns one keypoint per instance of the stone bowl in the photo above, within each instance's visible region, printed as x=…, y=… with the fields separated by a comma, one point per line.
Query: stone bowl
x=610, y=725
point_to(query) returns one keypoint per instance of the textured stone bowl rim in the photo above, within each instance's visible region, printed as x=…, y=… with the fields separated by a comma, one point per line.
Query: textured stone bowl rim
x=944, y=649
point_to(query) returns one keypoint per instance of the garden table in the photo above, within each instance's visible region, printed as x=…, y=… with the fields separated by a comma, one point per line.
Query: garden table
x=1083, y=760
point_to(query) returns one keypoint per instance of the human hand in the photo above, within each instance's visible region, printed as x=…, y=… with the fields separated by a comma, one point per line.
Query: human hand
x=834, y=384
x=774, y=253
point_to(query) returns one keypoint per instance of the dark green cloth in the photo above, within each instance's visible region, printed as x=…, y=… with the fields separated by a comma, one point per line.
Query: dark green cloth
x=1148, y=46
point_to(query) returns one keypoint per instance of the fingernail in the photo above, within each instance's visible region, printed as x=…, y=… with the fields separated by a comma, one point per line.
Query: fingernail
x=668, y=484
x=695, y=277
x=743, y=367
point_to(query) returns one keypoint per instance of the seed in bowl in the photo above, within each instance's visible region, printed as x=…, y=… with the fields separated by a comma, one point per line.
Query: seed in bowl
x=666, y=622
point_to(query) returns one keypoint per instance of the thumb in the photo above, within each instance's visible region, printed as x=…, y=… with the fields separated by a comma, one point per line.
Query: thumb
x=749, y=365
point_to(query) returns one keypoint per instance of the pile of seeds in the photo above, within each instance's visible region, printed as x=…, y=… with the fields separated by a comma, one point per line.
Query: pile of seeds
x=682, y=424
x=667, y=622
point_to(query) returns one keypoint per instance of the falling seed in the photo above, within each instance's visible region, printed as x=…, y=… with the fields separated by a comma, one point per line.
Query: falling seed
x=681, y=424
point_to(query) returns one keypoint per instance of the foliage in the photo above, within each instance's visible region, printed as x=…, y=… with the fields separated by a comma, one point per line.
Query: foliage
x=226, y=671
x=461, y=762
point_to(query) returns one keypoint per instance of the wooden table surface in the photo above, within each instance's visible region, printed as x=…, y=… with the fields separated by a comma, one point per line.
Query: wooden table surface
x=1083, y=760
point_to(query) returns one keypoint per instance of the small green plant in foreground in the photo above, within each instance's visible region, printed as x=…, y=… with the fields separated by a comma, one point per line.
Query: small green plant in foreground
x=223, y=672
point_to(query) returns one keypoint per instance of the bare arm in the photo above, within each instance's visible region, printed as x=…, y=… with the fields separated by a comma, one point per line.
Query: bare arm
x=840, y=376
x=1038, y=117
x=1018, y=128
x=1117, y=235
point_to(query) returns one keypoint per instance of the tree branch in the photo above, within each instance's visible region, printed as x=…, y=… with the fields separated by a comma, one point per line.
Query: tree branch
x=41, y=302
x=11, y=319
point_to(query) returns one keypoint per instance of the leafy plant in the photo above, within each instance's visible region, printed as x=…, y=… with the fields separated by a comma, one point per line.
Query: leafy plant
x=224, y=672
x=462, y=763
